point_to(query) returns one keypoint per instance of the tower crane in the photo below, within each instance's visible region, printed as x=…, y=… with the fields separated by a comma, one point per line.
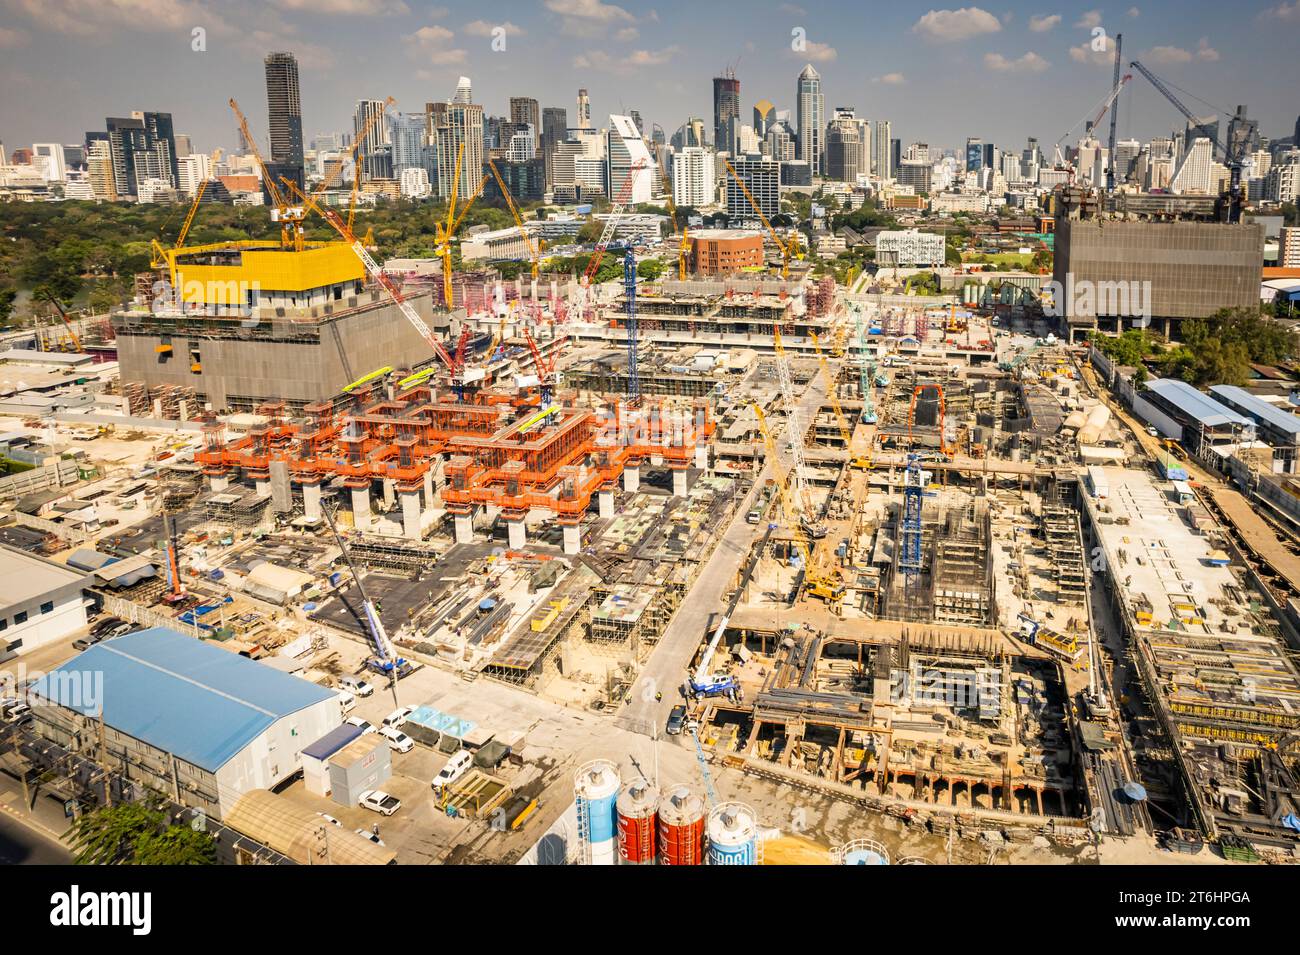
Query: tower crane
x=795, y=433
x=814, y=583
x=684, y=244
x=291, y=216
x=1114, y=116
x=832, y=390
x=519, y=220
x=67, y=323
x=444, y=233
x=545, y=369
x=611, y=223
x=160, y=257
x=385, y=660
x=455, y=365
x=866, y=374
x=1234, y=151
x=785, y=247
x=1101, y=112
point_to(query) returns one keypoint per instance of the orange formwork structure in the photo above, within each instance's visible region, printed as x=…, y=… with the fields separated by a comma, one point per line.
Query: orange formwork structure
x=552, y=461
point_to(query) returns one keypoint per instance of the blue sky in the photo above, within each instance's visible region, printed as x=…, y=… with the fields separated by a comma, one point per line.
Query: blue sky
x=1001, y=71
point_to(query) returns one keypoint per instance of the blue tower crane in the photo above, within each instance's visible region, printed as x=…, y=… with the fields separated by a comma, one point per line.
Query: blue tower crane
x=629, y=308
x=909, y=556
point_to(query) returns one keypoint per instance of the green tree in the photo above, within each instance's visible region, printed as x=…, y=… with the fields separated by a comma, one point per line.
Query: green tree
x=649, y=269
x=137, y=833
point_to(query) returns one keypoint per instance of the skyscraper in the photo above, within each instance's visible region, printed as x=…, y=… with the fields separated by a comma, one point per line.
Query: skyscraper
x=692, y=177
x=584, y=110
x=843, y=148
x=726, y=106
x=882, y=150
x=525, y=109
x=464, y=91
x=460, y=123
x=764, y=117
x=141, y=148
x=555, y=122
x=284, y=110
x=810, y=109
x=626, y=150
x=377, y=163
x=762, y=176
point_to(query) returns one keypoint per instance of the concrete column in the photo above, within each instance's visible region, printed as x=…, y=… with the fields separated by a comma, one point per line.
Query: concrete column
x=606, y=501
x=411, y=514
x=428, y=489
x=702, y=457
x=464, y=528
x=631, y=479
x=311, y=501
x=517, y=534
x=679, y=483
x=390, y=493
x=218, y=482
x=361, y=508
x=572, y=539
x=263, y=487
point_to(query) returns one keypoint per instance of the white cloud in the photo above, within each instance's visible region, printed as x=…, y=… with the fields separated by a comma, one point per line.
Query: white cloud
x=597, y=59
x=890, y=79
x=1283, y=11
x=11, y=39
x=1167, y=55
x=1084, y=53
x=352, y=8
x=1031, y=62
x=590, y=10
x=483, y=28
x=1089, y=20
x=949, y=26
x=1206, y=52
x=92, y=17
x=1134, y=13
x=1043, y=23
x=433, y=45
x=818, y=52
x=627, y=34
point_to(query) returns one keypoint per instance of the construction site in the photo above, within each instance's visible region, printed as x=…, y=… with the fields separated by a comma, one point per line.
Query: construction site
x=901, y=555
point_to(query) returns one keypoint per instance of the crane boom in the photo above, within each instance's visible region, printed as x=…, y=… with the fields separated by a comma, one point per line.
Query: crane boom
x=377, y=274
x=611, y=223
x=1114, y=118
x=753, y=203
x=519, y=220
x=1232, y=157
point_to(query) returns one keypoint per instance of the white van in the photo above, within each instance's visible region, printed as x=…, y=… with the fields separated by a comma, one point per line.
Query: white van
x=347, y=701
x=456, y=767
x=354, y=684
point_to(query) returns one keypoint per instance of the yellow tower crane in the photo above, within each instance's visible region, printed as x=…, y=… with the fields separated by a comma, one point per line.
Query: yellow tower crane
x=519, y=220
x=787, y=248
x=815, y=583
x=684, y=245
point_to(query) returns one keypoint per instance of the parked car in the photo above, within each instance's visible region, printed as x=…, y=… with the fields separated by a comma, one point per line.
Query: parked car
x=347, y=701
x=457, y=766
x=397, y=740
x=357, y=686
x=370, y=836
x=102, y=627
x=376, y=800
x=330, y=819
x=19, y=712
x=366, y=727
x=398, y=716
x=85, y=643
x=676, y=720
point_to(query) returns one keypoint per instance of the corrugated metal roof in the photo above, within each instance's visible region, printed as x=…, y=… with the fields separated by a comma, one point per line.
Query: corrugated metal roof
x=333, y=741
x=199, y=702
x=1258, y=408
x=1195, y=404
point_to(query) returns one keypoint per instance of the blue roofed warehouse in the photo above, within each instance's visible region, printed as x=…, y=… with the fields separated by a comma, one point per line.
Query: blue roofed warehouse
x=183, y=716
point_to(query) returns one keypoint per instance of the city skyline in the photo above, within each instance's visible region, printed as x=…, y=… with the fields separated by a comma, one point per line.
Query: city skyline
x=73, y=63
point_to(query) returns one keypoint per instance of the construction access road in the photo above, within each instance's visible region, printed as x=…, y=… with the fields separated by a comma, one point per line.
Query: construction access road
x=667, y=670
